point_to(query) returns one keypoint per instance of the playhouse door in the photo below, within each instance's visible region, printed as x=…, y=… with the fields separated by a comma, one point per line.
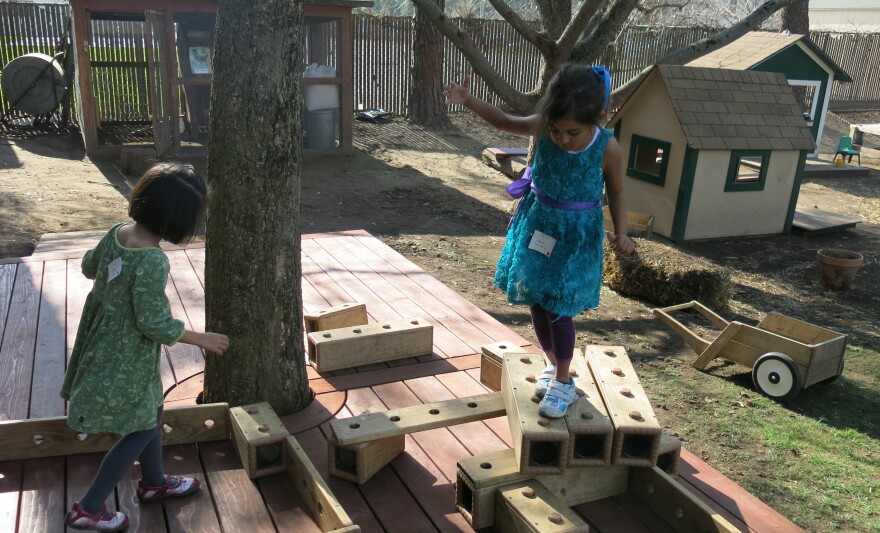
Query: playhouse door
x=160, y=83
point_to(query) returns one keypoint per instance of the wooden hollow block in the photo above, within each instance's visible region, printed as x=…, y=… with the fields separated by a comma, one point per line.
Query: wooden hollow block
x=333, y=349
x=339, y=316
x=383, y=424
x=676, y=505
x=314, y=491
x=491, y=360
x=668, y=454
x=480, y=476
x=477, y=479
x=636, y=429
x=359, y=462
x=540, y=444
x=528, y=506
x=259, y=436
x=591, y=433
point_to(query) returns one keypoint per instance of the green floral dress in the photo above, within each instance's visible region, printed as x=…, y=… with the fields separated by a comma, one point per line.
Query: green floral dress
x=112, y=381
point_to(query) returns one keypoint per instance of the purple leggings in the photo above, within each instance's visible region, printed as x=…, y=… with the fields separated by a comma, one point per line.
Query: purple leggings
x=555, y=333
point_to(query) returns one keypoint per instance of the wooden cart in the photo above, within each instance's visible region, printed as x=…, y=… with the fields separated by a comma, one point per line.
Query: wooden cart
x=785, y=355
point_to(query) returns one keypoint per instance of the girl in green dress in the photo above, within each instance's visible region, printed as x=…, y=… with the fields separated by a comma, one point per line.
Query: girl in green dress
x=113, y=382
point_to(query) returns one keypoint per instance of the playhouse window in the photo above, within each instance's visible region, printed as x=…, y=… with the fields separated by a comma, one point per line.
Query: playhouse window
x=747, y=170
x=648, y=159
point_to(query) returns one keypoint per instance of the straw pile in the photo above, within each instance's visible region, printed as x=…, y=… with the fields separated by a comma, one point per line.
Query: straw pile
x=664, y=275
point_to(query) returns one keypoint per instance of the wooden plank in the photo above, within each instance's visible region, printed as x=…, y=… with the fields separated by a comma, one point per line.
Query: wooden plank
x=529, y=507
x=813, y=221
x=286, y=507
x=359, y=462
x=339, y=316
x=591, y=432
x=50, y=355
x=541, y=444
x=636, y=429
x=7, y=279
x=17, y=349
x=371, y=426
x=78, y=287
x=258, y=435
x=52, y=437
x=464, y=384
x=371, y=343
x=10, y=489
x=323, y=505
x=730, y=496
x=186, y=359
x=609, y=516
x=42, y=495
x=237, y=501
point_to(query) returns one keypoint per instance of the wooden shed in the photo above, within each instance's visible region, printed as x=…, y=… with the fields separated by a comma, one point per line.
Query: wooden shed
x=713, y=153
x=804, y=64
x=158, y=55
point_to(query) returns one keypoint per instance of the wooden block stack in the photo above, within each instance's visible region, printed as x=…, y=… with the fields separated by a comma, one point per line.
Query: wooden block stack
x=346, y=347
x=258, y=435
x=340, y=316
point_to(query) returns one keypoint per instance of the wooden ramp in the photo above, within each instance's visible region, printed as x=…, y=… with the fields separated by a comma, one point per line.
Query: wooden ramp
x=40, y=303
x=811, y=221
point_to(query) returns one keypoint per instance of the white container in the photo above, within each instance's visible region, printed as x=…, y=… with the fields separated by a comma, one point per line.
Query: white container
x=318, y=97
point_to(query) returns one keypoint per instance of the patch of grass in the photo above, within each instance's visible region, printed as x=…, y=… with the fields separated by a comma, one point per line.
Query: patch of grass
x=815, y=460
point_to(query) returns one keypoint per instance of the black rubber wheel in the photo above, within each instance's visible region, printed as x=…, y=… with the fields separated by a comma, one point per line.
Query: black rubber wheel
x=776, y=375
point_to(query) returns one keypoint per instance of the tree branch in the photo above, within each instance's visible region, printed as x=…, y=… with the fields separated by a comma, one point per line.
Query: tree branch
x=684, y=55
x=576, y=27
x=649, y=10
x=521, y=26
x=604, y=31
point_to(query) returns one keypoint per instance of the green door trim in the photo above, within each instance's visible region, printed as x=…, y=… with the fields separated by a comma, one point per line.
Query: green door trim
x=795, y=191
x=685, y=189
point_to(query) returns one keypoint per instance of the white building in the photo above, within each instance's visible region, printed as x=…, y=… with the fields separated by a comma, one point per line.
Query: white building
x=861, y=16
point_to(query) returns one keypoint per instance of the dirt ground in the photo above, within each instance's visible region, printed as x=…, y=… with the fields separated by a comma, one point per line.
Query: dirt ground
x=427, y=194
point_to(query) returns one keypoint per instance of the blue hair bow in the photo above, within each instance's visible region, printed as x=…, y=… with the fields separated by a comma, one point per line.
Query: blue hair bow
x=604, y=76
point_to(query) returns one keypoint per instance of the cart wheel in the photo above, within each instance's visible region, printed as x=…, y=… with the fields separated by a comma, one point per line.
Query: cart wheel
x=777, y=376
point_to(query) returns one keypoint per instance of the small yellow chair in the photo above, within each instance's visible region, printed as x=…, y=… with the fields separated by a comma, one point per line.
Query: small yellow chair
x=845, y=148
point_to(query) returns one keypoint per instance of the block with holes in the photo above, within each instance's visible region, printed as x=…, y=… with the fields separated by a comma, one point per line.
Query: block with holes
x=258, y=435
x=668, y=454
x=352, y=346
x=382, y=424
x=339, y=316
x=540, y=444
x=359, y=462
x=591, y=433
x=529, y=507
x=479, y=477
x=636, y=429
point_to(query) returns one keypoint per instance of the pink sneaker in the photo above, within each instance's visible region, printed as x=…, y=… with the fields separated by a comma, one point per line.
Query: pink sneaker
x=174, y=487
x=103, y=520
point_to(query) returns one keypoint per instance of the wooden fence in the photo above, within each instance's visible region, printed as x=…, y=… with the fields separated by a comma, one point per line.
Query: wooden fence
x=383, y=55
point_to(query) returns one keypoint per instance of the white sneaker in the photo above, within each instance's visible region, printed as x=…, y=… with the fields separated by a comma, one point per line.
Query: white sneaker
x=544, y=379
x=559, y=396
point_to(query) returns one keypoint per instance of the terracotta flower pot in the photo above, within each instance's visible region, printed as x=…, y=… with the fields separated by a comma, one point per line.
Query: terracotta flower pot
x=838, y=267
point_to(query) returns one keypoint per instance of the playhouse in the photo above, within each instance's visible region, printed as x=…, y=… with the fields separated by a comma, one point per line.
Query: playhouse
x=713, y=152
x=808, y=69
x=144, y=73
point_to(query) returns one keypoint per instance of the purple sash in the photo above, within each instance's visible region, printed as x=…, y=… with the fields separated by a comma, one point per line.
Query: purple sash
x=520, y=187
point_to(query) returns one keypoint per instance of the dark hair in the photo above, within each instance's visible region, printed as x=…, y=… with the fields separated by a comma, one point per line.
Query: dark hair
x=169, y=200
x=576, y=92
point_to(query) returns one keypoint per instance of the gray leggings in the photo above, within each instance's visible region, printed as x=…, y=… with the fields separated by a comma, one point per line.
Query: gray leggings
x=145, y=446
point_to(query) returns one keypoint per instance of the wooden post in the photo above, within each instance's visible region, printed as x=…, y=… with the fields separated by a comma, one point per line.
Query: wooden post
x=636, y=429
x=541, y=444
x=359, y=462
x=490, y=362
x=333, y=349
x=669, y=454
x=589, y=426
x=258, y=435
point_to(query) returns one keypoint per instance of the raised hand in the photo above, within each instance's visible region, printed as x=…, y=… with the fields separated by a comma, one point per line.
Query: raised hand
x=456, y=93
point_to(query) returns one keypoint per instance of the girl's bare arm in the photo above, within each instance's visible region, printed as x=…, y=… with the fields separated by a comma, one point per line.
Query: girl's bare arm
x=460, y=94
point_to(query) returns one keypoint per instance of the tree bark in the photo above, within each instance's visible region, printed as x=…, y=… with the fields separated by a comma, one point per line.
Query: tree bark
x=796, y=17
x=252, y=264
x=426, y=103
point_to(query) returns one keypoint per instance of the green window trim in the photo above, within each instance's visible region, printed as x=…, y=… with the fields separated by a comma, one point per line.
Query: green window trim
x=652, y=145
x=731, y=184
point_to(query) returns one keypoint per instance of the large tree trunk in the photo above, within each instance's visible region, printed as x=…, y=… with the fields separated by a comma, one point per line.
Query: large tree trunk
x=426, y=104
x=796, y=17
x=252, y=266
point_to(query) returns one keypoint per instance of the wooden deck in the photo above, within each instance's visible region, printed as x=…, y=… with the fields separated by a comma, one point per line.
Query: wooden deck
x=40, y=302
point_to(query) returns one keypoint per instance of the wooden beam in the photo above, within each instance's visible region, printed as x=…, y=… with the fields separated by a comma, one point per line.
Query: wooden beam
x=372, y=426
x=334, y=349
x=340, y=316
x=359, y=462
x=591, y=432
x=52, y=437
x=528, y=507
x=258, y=435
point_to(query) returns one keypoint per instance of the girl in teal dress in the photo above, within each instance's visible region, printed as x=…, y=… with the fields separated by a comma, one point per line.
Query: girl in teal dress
x=112, y=382
x=552, y=255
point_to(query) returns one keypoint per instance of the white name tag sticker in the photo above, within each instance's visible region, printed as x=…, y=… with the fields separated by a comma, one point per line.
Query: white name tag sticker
x=114, y=268
x=542, y=243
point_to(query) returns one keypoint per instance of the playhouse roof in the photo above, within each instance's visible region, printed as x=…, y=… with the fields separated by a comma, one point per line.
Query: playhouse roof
x=721, y=109
x=757, y=46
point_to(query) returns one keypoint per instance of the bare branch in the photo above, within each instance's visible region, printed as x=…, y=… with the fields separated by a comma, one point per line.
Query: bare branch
x=578, y=23
x=604, y=30
x=649, y=10
x=521, y=26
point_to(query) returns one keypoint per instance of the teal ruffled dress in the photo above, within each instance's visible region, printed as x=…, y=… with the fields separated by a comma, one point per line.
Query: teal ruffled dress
x=568, y=281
